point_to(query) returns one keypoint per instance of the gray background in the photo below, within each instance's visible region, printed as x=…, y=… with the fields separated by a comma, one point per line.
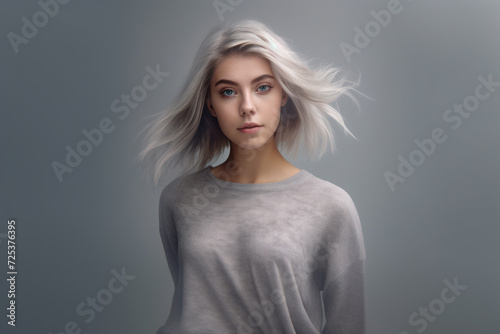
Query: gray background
x=442, y=222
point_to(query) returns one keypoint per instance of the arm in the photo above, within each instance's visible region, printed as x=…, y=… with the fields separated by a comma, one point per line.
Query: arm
x=345, y=300
x=168, y=232
x=344, y=295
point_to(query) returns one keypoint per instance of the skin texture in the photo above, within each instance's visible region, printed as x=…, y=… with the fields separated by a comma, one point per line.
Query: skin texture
x=244, y=89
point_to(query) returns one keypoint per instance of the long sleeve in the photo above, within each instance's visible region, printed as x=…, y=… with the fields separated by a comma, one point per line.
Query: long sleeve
x=168, y=232
x=345, y=301
x=344, y=293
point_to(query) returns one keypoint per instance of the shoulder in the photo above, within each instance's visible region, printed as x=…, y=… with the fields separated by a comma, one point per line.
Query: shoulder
x=335, y=196
x=180, y=185
x=337, y=206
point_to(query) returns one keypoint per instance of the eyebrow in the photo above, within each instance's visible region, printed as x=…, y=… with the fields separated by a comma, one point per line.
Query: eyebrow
x=229, y=82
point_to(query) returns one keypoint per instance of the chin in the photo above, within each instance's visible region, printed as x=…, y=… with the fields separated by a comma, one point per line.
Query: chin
x=250, y=145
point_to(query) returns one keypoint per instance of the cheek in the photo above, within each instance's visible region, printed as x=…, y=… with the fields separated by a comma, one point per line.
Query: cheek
x=276, y=120
x=226, y=116
x=275, y=112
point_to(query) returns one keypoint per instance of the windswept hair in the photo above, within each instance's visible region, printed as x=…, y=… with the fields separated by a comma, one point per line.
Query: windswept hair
x=189, y=136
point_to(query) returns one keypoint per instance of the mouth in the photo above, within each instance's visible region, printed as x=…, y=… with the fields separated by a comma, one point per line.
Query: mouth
x=250, y=129
x=250, y=125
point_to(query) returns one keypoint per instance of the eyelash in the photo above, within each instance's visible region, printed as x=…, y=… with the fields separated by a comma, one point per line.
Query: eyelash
x=230, y=89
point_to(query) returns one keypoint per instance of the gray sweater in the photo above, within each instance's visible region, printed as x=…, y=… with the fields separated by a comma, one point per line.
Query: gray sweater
x=262, y=257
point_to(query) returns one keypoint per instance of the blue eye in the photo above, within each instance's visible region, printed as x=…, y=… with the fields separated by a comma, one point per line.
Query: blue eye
x=224, y=92
x=267, y=87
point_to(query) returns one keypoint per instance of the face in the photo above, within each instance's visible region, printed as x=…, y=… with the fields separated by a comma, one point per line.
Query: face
x=243, y=90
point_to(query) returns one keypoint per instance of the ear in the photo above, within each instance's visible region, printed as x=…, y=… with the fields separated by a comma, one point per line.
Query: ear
x=209, y=105
x=284, y=99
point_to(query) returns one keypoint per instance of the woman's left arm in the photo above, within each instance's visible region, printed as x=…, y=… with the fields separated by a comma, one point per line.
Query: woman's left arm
x=344, y=294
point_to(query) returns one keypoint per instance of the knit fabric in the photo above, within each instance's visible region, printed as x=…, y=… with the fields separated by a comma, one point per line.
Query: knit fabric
x=283, y=257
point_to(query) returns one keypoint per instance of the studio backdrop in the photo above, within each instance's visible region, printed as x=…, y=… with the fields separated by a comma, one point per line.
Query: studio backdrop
x=80, y=250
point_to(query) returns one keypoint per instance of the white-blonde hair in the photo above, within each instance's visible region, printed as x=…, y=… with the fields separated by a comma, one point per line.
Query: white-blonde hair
x=188, y=135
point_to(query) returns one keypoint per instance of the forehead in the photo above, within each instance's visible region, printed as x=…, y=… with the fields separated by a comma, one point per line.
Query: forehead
x=241, y=68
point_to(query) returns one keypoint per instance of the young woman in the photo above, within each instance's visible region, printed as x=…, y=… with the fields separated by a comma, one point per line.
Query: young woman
x=255, y=244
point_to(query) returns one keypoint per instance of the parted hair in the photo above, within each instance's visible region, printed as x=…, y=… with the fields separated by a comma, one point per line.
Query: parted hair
x=187, y=134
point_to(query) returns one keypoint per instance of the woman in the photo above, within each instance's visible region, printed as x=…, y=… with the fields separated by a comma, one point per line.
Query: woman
x=255, y=244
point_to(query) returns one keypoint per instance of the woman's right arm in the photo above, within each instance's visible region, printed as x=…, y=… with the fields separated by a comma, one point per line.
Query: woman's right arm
x=168, y=231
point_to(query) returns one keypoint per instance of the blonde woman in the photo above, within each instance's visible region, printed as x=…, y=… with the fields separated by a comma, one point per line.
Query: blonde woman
x=255, y=244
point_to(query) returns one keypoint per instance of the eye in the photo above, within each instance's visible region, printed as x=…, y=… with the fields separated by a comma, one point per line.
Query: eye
x=227, y=92
x=264, y=88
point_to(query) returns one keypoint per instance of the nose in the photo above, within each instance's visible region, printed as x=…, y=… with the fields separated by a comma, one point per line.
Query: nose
x=247, y=104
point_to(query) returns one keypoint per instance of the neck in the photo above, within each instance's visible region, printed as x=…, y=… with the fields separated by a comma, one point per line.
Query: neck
x=262, y=165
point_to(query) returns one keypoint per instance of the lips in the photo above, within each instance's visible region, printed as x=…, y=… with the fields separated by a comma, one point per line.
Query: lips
x=249, y=126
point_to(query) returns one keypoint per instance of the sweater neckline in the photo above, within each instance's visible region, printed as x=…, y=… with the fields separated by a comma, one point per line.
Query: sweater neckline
x=299, y=176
